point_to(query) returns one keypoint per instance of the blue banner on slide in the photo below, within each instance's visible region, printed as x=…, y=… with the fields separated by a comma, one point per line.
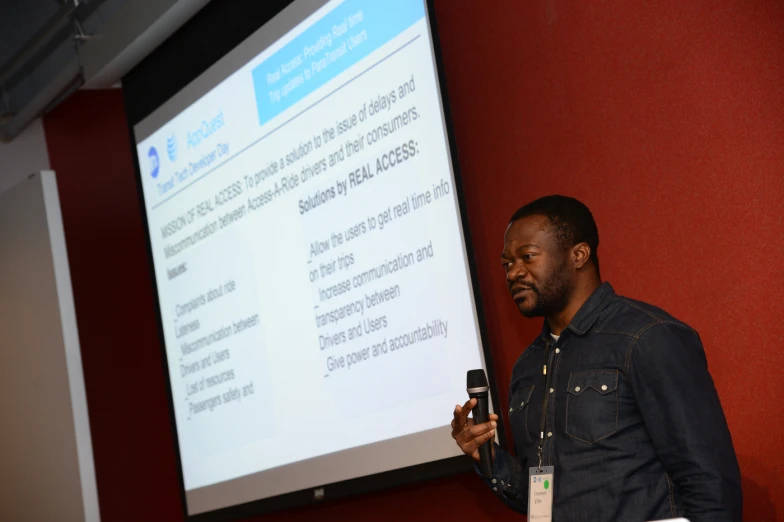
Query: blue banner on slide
x=344, y=36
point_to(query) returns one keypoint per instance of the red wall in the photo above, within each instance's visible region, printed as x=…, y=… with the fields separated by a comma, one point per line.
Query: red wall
x=667, y=120
x=135, y=466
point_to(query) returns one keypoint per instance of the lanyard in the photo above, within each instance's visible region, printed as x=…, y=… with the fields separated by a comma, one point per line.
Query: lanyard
x=543, y=422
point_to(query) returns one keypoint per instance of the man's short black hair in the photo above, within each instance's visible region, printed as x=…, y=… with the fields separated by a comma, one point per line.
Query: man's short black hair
x=570, y=218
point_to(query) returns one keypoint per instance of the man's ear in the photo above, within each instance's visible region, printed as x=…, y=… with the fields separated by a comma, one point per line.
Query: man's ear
x=581, y=254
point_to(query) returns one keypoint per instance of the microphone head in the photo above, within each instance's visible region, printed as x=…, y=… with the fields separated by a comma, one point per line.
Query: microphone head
x=476, y=379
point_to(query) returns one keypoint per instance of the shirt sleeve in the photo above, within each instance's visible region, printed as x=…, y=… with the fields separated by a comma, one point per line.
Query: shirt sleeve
x=678, y=401
x=510, y=480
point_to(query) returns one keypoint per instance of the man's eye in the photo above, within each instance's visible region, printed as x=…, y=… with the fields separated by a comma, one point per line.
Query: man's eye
x=528, y=258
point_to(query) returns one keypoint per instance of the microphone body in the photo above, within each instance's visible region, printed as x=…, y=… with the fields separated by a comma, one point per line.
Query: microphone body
x=478, y=388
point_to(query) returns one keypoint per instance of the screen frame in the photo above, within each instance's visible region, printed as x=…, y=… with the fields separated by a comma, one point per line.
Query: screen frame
x=140, y=101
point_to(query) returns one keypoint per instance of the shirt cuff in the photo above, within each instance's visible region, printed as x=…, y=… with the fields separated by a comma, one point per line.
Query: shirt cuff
x=507, y=477
x=502, y=467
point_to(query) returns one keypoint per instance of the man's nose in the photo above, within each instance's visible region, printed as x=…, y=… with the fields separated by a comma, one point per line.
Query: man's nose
x=516, y=272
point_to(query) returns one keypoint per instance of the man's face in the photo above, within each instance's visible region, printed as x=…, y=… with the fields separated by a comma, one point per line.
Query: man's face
x=537, y=270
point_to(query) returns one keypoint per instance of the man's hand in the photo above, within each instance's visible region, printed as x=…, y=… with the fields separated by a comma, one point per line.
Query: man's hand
x=471, y=436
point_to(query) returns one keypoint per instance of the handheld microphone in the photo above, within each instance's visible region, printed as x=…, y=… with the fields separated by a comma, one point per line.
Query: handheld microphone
x=477, y=388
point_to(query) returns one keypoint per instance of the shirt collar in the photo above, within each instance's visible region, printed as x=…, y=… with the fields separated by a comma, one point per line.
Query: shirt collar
x=587, y=314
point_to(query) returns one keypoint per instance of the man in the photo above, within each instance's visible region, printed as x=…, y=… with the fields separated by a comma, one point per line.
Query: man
x=614, y=393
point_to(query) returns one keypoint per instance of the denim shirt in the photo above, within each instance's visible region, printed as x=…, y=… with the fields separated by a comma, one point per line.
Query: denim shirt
x=634, y=426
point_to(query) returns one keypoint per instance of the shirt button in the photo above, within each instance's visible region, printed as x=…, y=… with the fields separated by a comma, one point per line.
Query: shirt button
x=551, y=390
x=604, y=387
x=549, y=433
x=557, y=350
x=511, y=410
x=494, y=481
x=495, y=489
x=577, y=389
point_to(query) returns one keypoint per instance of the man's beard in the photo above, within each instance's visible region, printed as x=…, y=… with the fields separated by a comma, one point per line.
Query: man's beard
x=552, y=297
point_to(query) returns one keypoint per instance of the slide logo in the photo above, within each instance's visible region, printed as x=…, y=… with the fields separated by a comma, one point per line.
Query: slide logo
x=171, y=147
x=155, y=163
x=205, y=130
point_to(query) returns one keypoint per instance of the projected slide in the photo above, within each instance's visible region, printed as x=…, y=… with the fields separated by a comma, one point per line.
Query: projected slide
x=311, y=269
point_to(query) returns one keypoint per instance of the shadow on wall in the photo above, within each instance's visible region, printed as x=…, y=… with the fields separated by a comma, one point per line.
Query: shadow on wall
x=760, y=486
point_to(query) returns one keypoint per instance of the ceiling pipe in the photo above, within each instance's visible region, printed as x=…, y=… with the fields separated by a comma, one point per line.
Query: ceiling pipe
x=131, y=33
x=39, y=39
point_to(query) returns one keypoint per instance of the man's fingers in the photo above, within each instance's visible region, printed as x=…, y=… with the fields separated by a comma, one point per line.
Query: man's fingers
x=486, y=437
x=481, y=439
x=461, y=414
x=467, y=407
x=474, y=435
x=468, y=434
x=473, y=445
x=481, y=429
x=458, y=421
x=463, y=426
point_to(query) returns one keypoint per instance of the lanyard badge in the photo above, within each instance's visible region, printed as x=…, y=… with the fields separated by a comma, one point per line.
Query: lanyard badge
x=540, y=494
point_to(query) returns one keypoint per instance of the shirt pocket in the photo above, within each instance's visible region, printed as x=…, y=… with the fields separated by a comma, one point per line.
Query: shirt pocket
x=592, y=405
x=519, y=407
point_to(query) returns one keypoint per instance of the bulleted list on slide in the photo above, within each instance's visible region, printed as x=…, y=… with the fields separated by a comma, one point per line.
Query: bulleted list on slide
x=215, y=343
x=372, y=254
x=310, y=263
